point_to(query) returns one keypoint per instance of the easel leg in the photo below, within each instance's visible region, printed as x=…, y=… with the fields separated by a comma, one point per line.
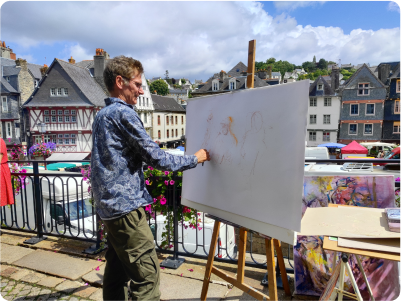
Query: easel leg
x=354, y=284
x=210, y=260
x=365, y=278
x=280, y=261
x=271, y=274
x=241, y=254
x=341, y=285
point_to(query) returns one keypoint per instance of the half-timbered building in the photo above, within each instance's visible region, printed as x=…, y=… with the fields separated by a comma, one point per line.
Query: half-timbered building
x=66, y=100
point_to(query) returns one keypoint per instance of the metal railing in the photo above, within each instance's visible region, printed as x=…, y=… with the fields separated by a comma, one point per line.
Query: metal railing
x=58, y=204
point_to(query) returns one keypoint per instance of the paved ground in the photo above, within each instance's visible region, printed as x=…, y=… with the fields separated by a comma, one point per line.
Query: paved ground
x=56, y=269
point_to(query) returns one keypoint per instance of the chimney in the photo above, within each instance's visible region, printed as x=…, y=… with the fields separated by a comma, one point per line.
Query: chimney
x=99, y=62
x=223, y=75
x=21, y=63
x=269, y=71
x=384, y=72
x=12, y=55
x=43, y=70
x=71, y=60
x=335, y=78
x=262, y=74
x=4, y=44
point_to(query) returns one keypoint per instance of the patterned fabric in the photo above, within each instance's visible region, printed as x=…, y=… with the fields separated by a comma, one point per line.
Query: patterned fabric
x=6, y=190
x=120, y=145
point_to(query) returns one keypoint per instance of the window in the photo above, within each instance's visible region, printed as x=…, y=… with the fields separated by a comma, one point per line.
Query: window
x=326, y=136
x=47, y=119
x=7, y=78
x=172, y=120
x=4, y=104
x=60, y=118
x=167, y=120
x=172, y=133
x=73, y=112
x=182, y=119
x=53, y=92
x=66, y=141
x=53, y=112
x=312, y=119
x=67, y=118
x=232, y=85
x=46, y=112
x=363, y=89
x=145, y=117
x=353, y=128
x=66, y=91
x=397, y=107
x=397, y=87
x=327, y=102
x=59, y=91
x=73, y=118
x=396, y=127
x=60, y=141
x=312, y=102
x=176, y=118
x=36, y=83
x=54, y=119
x=73, y=135
x=72, y=140
x=159, y=135
x=312, y=136
x=8, y=130
x=46, y=138
x=182, y=132
x=326, y=119
x=60, y=112
x=168, y=135
x=354, y=109
x=158, y=119
x=66, y=112
x=370, y=109
x=215, y=86
x=139, y=101
x=320, y=87
x=176, y=132
x=147, y=102
x=60, y=136
x=368, y=129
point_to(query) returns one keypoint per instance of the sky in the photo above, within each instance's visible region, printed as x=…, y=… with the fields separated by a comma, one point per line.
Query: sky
x=194, y=40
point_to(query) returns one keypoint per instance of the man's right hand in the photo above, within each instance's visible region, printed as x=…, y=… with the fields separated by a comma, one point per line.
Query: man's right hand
x=202, y=155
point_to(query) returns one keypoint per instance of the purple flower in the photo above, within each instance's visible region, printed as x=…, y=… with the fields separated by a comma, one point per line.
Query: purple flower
x=166, y=173
x=172, y=182
x=163, y=201
x=154, y=201
x=150, y=167
x=166, y=182
x=147, y=182
x=148, y=208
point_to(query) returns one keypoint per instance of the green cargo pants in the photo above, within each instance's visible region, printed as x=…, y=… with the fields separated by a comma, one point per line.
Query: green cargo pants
x=131, y=257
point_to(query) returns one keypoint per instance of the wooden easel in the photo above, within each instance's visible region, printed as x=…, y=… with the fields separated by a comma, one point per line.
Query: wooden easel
x=239, y=281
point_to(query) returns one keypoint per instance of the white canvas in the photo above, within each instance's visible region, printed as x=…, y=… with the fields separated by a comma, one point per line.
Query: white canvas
x=256, y=141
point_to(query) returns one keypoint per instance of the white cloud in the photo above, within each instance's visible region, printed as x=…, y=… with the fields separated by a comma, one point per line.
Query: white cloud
x=190, y=39
x=292, y=5
x=392, y=6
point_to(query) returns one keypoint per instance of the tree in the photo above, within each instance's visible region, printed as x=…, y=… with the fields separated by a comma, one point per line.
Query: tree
x=183, y=81
x=270, y=61
x=309, y=66
x=260, y=66
x=322, y=64
x=166, y=75
x=159, y=86
x=283, y=67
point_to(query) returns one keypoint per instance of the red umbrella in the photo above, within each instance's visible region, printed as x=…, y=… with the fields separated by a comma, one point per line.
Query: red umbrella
x=354, y=148
x=6, y=190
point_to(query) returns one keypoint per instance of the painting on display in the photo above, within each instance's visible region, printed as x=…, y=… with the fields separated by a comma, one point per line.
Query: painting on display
x=313, y=265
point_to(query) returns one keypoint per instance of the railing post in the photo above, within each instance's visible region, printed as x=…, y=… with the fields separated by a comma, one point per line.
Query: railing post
x=97, y=247
x=173, y=262
x=39, y=210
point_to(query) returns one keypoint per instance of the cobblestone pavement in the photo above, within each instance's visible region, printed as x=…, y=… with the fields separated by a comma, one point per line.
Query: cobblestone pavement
x=22, y=284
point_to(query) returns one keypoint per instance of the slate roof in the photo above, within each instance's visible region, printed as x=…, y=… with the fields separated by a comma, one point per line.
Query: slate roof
x=241, y=67
x=166, y=104
x=6, y=62
x=6, y=87
x=178, y=91
x=356, y=74
x=396, y=73
x=81, y=77
x=327, y=90
x=10, y=70
x=35, y=70
x=224, y=85
x=276, y=74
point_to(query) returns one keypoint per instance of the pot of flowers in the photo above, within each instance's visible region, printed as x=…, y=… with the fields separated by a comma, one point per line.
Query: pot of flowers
x=41, y=151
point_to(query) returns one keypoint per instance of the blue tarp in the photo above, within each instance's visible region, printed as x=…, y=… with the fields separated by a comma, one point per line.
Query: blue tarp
x=332, y=145
x=181, y=148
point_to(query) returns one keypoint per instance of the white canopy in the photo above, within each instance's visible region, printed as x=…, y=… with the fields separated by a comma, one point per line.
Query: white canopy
x=67, y=156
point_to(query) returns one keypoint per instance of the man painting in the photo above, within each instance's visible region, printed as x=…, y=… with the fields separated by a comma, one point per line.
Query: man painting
x=120, y=146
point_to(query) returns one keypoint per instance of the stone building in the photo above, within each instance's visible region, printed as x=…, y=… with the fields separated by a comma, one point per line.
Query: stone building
x=362, y=107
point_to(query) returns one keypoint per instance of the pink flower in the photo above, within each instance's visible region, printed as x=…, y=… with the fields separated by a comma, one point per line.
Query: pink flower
x=97, y=269
x=181, y=274
x=86, y=284
x=148, y=208
x=99, y=259
x=199, y=228
x=191, y=270
x=147, y=182
x=166, y=173
x=198, y=214
x=162, y=268
x=398, y=179
x=166, y=182
x=154, y=201
x=172, y=182
x=150, y=167
x=163, y=201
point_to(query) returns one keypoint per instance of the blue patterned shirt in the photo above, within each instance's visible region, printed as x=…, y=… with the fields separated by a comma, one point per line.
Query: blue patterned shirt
x=120, y=145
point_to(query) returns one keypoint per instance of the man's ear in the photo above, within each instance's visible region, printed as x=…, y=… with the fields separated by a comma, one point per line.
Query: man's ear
x=120, y=83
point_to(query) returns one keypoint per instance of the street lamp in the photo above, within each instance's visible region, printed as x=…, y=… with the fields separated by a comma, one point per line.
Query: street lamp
x=42, y=130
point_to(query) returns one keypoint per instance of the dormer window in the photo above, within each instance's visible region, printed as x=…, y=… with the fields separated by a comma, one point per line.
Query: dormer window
x=58, y=91
x=215, y=85
x=320, y=86
x=7, y=78
x=363, y=89
x=232, y=84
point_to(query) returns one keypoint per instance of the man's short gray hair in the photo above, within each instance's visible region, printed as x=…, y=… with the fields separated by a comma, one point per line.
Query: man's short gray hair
x=120, y=65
